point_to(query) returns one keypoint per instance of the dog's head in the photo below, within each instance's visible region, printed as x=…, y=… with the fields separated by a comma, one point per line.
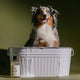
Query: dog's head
x=42, y=15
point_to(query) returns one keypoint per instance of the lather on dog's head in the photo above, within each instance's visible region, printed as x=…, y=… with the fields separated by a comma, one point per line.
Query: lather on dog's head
x=42, y=15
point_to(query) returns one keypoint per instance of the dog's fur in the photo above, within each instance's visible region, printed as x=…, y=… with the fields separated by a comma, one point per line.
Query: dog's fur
x=44, y=32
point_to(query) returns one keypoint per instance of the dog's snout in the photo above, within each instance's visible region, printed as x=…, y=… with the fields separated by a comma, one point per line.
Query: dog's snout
x=44, y=16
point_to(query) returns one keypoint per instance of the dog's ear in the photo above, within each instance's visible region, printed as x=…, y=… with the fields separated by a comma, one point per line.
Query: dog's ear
x=54, y=13
x=34, y=9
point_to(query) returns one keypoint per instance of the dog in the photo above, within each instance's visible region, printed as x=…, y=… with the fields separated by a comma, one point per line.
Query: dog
x=44, y=32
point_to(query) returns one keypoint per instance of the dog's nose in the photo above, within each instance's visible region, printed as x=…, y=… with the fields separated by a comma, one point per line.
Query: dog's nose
x=44, y=16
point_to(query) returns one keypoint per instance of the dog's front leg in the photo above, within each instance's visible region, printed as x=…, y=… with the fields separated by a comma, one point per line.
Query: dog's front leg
x=42, y=43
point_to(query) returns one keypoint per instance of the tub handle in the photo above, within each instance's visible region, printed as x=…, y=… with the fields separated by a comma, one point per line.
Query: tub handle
x=72, y=52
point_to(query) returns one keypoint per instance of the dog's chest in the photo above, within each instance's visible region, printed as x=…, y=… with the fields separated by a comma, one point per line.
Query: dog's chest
x=45, y=32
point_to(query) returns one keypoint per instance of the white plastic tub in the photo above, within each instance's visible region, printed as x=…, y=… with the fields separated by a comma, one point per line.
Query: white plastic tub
x=44, y=62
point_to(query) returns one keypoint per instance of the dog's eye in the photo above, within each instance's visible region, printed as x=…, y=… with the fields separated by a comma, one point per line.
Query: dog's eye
x=41, y=12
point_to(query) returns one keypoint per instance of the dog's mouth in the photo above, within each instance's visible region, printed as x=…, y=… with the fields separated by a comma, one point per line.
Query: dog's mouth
x=44, y=20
